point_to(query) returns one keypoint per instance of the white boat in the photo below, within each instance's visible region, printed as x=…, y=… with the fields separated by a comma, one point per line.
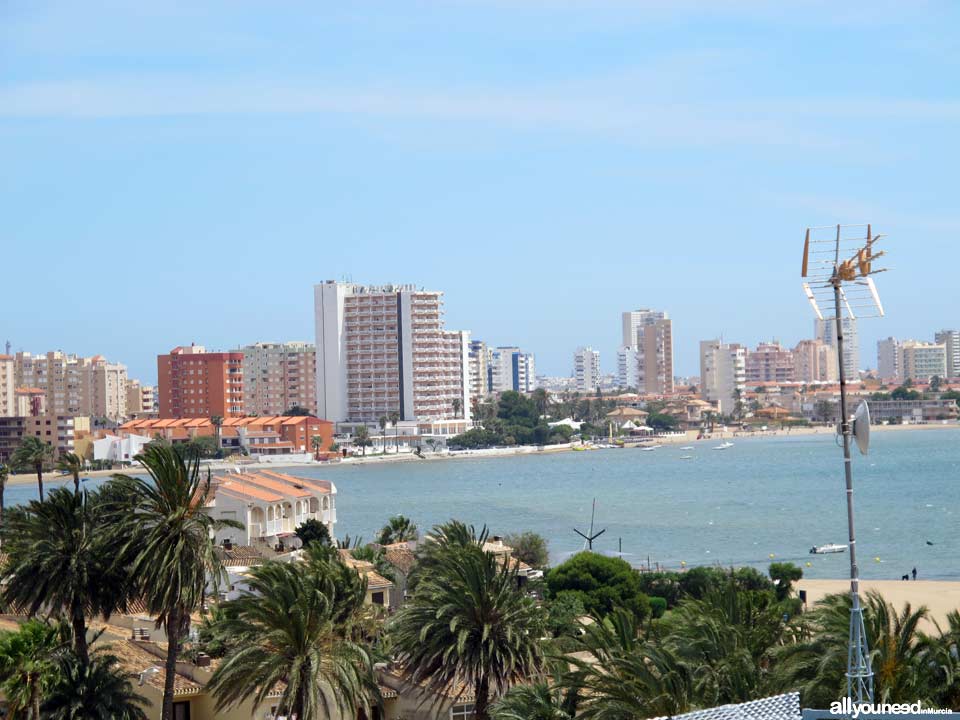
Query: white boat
x=650, y=449
x=828, y=548
x=687, y=447
x=723, y=446
x=686, y=457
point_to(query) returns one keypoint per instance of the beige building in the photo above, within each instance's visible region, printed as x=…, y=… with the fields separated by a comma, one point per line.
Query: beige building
x=922, y=361
x=384, y=349
x=279, y=376
x=645, y=360
x=7, y=387
x=75, y=385
x=815, y=361
x=770, y=362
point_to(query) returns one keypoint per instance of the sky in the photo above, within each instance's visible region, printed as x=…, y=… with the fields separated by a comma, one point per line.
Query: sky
x=176, y=172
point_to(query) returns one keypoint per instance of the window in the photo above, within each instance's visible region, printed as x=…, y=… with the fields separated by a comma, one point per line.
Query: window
x=377, y=598
x=461, y=712
x=181, y=710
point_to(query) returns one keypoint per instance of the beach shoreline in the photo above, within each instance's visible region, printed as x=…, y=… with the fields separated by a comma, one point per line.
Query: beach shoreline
x=689, y=437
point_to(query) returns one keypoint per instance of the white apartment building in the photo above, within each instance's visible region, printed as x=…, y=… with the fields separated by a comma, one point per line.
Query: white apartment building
x=650, y=334
x=586, y=369
x=889, y=359
x=951, y=340
x=479, y=380
x=826, y=332
x=109, y=388
x=722, y=373
x=509, y=368
x=628, y=367
x=8, y=386
x=279, y=376
x=922, y=361
x=384, y=349
x=814, y=362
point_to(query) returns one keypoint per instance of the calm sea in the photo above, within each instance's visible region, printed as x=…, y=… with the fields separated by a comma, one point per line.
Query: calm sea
x=776, y=495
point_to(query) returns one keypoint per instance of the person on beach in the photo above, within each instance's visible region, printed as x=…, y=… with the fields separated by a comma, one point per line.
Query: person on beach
x=914, y=573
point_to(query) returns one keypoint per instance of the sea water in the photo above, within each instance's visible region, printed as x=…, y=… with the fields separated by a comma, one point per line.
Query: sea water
x=764, y=499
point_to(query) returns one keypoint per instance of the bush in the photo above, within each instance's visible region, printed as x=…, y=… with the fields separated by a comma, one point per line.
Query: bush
x=601, y=583
x=658, y=606
x=787, y=574
x=529, y=547
x=313, y=531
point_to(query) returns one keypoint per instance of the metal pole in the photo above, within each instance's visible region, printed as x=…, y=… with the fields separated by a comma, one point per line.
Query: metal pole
x=859, y=673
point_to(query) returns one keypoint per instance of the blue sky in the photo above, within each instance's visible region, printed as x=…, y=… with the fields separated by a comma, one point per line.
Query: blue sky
x=177, y=173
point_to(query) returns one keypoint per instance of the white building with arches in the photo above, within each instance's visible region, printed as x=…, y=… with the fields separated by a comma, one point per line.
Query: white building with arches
x=271, y=506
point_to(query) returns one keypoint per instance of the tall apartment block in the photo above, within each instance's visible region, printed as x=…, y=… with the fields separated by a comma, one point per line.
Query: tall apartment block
x=814, y=361
x=141, y=399
x=509, y=368
x=75, y=385
x=650, y=334
x=384, y=349
x=586, y=369
x=479, y=381
x=889, y=359
x=826, y=332
x=279, y=376
x=8, y=386
x=770, y=363
x=951, y=341
x=195, y=383
x=722, y=373
x=922, y=361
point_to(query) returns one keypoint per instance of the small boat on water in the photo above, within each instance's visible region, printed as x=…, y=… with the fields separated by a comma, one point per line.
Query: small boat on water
x=724, y=446
x=687, y=447
x=686, y=457
x=651, y=448
x=828, y=548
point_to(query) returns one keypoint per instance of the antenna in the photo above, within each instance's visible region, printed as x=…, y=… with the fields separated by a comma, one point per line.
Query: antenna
x=591, y=537
x=837, y=266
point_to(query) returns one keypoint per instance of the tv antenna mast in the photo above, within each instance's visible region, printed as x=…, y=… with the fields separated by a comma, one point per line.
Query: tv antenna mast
x=837, y=270
x=592, y=536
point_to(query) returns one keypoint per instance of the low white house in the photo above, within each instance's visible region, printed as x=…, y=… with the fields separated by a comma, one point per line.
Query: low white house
x=271, y=506
x=119, y=449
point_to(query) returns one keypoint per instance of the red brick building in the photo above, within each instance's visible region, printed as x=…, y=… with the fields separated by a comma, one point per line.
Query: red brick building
x=195, y=383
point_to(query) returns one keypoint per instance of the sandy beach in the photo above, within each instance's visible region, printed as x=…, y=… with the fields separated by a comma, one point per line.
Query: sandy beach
x=940, y=596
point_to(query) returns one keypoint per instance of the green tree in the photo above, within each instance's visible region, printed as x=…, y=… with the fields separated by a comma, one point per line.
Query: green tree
x=662, y=422
x=904, y=392
x=95, y=689
x=529, y=547
x=60, y=561
x=297, y=628
x=383, y=433
x=171, y=539
x=28, y=666
x=4, y=476
x=202, y=446
x=298, y=411
x=71, y=463
x=313, y=531
x=540, y=701
x=316, y=442
x=33, y=453
x=394, y=419
x=457, y=404
x=467, y=621
x=398, y=529
x=601, y=583
x=935, y=383
x=784, y=575
x=361, y=437
x=541, y=399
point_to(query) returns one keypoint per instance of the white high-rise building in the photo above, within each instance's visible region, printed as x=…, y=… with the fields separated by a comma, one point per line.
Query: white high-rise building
x=722, y=373
x=279, y=376
x=922, y=361
x=509, y=368
x=826, y=332
x=478, y=356
x=586, y=369
x=384, y=349
x=889, y=359
x=650, y=334
x=951, y=340
x=628, y=367
x=7, y=387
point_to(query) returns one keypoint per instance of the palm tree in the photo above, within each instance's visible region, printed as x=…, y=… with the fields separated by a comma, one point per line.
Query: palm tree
x=297, y=628
x=383, y=433
x=467, y=622
x=361, y=436
x=73, y=464
x=398, y=529
x=394, y=419
x=317, y=443
x=60, y=561
x=4, y=475
x=540, y=701
x=33, y=453
x=170, y=536
x=457, y=404
x=542, y=401
x=28, y=666
x=816, y=663
x=622, y=677
x=217, y=421
x=96, y=689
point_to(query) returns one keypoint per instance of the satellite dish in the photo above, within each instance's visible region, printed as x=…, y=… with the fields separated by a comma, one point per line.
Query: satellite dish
x=861, y=427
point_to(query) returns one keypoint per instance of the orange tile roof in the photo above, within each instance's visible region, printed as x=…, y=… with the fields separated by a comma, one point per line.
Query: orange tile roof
x=279, y=486
x=238, y=487
x=316, y=483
